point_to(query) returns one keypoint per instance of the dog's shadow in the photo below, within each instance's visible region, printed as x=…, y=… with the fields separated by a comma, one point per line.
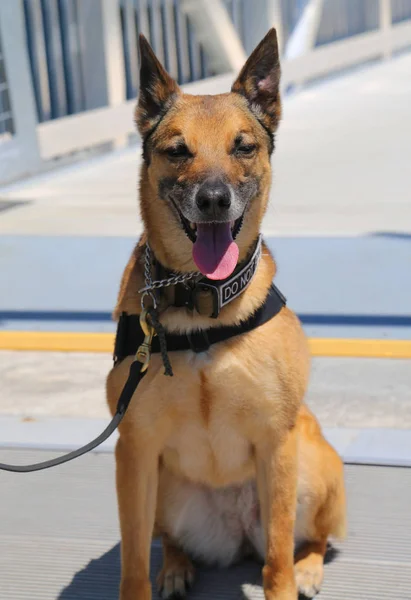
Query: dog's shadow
x=101, y=577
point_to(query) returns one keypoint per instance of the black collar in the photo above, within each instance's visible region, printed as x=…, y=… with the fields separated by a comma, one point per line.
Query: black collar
x=221, y=292
x=130, y=335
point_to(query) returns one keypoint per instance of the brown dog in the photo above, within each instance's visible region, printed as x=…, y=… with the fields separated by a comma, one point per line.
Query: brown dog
x=195, y=448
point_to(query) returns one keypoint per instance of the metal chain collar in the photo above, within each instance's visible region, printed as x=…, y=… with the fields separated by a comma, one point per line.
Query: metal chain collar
x=151, y=286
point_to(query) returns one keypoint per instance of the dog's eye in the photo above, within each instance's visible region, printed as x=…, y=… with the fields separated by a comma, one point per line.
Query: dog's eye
x=245, y=149
x=178, y=152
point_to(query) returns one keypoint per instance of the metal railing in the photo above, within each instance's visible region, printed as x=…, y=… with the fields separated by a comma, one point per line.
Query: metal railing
x=340, y=20
x=6, y=117
x=60, y=49
x=345, y=18
x=72, y=65
x=54, y=44
x=171, y=35
x=401, y=10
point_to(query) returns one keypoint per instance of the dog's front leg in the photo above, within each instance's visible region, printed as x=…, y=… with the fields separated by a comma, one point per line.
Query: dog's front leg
x=277, y=489
x=137, y=481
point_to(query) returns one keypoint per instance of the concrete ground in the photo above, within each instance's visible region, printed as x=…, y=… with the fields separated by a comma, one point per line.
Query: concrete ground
x=59, y=538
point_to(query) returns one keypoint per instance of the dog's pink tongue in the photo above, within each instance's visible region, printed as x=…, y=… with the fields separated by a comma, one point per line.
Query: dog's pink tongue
x=214, y=251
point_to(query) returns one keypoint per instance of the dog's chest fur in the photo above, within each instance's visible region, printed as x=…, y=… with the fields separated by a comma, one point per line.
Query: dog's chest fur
x=213, y=453
x=216, y=407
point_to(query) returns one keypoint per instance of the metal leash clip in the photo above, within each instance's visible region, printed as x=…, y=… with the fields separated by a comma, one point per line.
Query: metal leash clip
x=147, y=294
x=143, y=353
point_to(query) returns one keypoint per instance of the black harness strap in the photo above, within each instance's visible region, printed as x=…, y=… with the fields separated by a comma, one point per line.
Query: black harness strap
x=129, y=334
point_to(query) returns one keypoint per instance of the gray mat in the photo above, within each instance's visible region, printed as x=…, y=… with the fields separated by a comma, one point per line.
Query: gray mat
x=59, y=537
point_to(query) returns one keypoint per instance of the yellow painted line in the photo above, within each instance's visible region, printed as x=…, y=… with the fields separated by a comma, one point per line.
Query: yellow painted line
x=104, y=342
x=56, y=341
x=360, y=348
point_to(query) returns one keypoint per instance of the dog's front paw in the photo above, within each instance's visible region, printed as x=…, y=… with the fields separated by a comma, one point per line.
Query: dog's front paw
x=309, y=575
x=174, y=580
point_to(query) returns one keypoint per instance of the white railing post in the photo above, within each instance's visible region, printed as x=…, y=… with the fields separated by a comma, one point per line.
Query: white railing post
x=113, y=52
x=114, y=57
x=275, y=19
x=385, y=27
x=92, y=61
x=216, y=32
x=305, y=32
x=102, y=53
x=19, y=156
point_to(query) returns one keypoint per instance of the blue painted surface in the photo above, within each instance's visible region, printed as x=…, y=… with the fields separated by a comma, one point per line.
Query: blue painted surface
x=348, y=287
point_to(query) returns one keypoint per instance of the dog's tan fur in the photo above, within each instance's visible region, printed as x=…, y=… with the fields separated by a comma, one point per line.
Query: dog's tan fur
x=236, y=413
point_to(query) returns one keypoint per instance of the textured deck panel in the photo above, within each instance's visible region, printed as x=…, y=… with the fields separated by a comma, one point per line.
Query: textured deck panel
x=59, y=537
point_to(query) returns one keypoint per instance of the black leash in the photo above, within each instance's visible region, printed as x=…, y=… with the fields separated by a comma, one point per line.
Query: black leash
x=135, y=334
x=134, y=378
x=137, y=371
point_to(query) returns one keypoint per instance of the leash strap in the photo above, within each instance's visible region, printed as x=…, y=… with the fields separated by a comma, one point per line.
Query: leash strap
x=135, y=376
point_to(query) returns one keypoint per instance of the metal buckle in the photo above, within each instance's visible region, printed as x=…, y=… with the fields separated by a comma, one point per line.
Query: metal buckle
x=206, y=287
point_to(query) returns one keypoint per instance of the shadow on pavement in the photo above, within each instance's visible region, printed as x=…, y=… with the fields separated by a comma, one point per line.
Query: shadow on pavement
x=101, y=577
x=393, y=234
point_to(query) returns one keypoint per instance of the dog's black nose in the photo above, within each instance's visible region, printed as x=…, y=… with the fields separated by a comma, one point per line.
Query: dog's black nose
x=213, y=198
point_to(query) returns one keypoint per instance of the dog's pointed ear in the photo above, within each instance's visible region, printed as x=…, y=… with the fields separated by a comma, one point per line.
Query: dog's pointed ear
x=157, y=89
x=259, y=81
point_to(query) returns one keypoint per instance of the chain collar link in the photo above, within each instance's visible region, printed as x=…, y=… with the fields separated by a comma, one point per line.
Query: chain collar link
x=151, y=286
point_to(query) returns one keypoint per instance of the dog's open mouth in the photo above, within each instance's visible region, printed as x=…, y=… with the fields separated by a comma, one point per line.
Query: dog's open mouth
x=214, y=250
